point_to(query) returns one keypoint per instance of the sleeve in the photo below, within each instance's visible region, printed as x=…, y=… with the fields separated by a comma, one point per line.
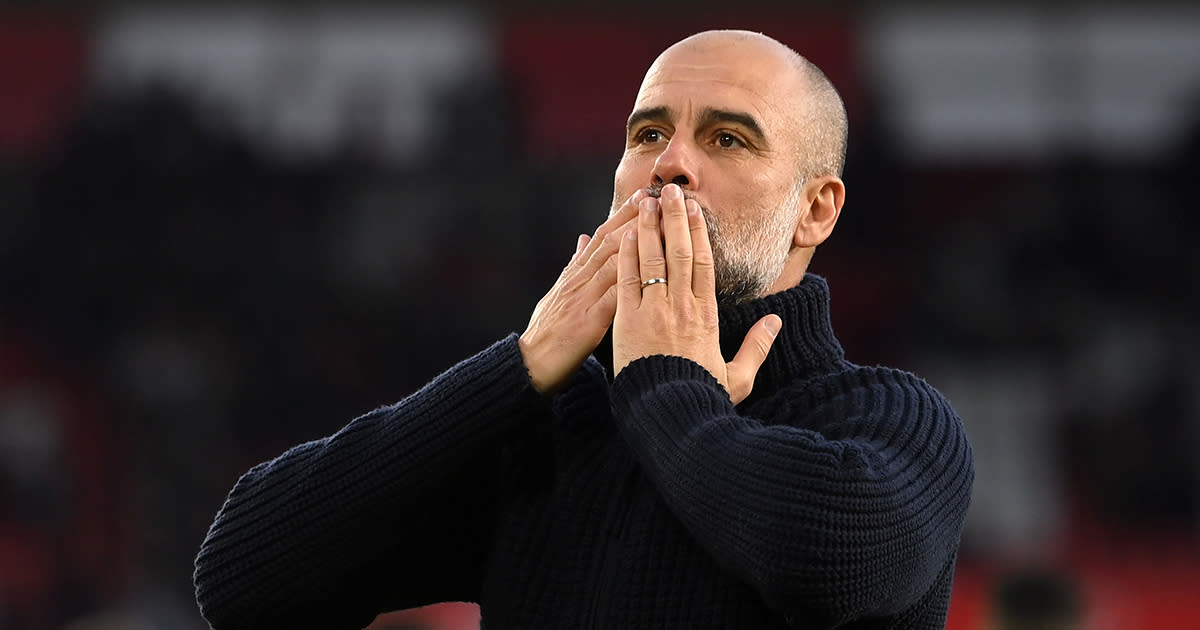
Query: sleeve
x=847, y=502
x=392, y=511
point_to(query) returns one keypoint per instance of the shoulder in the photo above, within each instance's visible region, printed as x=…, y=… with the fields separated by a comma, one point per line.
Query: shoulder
x=854, y=401
x=861, y=385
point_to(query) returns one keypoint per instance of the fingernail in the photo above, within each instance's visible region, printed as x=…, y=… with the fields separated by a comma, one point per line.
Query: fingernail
x=773, y=324
x=649, y=204
x=693, y=207
x=672, y=191
x=638, y=196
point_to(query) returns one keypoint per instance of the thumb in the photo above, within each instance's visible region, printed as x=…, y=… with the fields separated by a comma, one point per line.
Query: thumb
x=749, y=358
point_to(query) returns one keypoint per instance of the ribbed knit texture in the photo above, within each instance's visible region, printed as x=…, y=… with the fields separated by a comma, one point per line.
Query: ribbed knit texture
x=834, y=496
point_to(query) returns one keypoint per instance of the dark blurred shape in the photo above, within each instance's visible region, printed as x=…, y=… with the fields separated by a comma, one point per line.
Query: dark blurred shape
x=43, y=62
x=1037, y=598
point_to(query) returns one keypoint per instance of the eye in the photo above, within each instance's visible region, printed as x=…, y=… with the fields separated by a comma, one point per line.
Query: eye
x=649, y=135
x=728, y=141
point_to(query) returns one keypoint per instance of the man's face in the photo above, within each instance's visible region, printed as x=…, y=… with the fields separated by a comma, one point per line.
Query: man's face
x=713, y=120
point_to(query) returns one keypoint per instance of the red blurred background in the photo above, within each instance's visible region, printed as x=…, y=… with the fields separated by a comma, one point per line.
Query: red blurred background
x=220, y=227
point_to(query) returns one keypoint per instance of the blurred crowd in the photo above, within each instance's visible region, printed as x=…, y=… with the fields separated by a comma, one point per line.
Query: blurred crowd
x=177, y=304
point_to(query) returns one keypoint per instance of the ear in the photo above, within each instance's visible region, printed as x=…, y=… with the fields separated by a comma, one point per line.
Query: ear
x=823, y=198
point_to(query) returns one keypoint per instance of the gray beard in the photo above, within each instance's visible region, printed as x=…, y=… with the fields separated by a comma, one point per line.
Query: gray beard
x=736, y=283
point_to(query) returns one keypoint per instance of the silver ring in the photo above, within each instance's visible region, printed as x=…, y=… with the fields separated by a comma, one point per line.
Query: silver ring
x=653, y=281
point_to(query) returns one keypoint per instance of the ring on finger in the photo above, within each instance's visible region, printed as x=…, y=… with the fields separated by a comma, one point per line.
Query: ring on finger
x=651, y=281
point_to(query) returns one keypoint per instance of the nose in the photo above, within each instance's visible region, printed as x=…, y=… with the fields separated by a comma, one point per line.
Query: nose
x=677, y=165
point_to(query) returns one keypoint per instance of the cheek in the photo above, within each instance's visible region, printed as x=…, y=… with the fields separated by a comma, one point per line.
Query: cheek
x=773, y=189
x=750, y=196
x=633, y=172
x=772, y=184
x=621, y=179
x=755, y=198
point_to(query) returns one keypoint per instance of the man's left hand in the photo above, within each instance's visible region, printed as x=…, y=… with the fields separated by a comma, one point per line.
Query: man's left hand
x=679, y=316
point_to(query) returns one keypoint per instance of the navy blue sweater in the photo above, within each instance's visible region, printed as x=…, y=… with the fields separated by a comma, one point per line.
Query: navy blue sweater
x=833, y=496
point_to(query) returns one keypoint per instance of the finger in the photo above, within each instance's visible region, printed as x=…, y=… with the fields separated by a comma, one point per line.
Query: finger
x=627, y=212
x=749, y=358
x=604, y=279
x=704, y=277
x=606, y=250
x=605, y=308
x=629, y=280
x=579, y=245
x=651, y=263
x=678, y=248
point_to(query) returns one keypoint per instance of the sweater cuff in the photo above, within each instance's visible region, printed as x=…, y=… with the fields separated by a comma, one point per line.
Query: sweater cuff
x=643, y=376
x=503, y=359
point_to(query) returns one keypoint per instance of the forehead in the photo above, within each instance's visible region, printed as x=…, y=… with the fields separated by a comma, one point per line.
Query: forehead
x=728, y=77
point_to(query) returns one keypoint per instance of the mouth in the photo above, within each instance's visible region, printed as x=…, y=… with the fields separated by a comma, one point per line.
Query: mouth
x=655, y=190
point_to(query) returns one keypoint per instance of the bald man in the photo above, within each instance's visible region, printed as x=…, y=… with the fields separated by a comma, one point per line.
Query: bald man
x=676, y=440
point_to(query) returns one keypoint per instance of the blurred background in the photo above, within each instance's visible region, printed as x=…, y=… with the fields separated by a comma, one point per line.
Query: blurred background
x=229, y=229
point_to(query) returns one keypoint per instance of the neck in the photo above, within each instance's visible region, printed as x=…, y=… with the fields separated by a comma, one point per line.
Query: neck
x=806, y=344
x=793, y=270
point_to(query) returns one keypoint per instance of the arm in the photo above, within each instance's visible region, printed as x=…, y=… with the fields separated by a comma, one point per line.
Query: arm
x=393, y=511
x=390, y=512
x=850, y=506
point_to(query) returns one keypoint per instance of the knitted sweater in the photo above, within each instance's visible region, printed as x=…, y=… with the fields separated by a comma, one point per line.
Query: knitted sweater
x=833, y=496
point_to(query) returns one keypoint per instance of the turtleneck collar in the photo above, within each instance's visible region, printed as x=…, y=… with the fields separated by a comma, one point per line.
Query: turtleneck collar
x=805, y=345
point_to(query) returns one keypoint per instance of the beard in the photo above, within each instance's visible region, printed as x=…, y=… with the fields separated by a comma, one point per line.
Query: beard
x=747, y=258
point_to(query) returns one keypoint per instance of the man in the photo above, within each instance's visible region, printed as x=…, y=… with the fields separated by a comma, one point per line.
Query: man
x=669, y=488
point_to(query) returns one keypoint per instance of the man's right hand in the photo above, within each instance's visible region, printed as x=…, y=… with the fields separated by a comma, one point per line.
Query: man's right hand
x=569, y=322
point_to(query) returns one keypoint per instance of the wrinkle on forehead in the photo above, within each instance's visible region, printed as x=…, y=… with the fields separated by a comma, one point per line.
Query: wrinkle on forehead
x=692, y=108
x=704, y=85
x=728, y=72
x=706, y=74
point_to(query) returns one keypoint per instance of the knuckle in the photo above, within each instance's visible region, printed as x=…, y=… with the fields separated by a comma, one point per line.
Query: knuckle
x=680, y=252
x=612, y=240
x=654, y=260
x=630, y=281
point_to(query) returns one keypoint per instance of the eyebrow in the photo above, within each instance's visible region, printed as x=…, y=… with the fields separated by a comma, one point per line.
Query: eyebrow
x=651, y=114
x=708, y=116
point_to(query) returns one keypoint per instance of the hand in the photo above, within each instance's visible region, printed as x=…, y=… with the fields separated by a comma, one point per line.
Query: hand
x=679, y=317
x=569, y=322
